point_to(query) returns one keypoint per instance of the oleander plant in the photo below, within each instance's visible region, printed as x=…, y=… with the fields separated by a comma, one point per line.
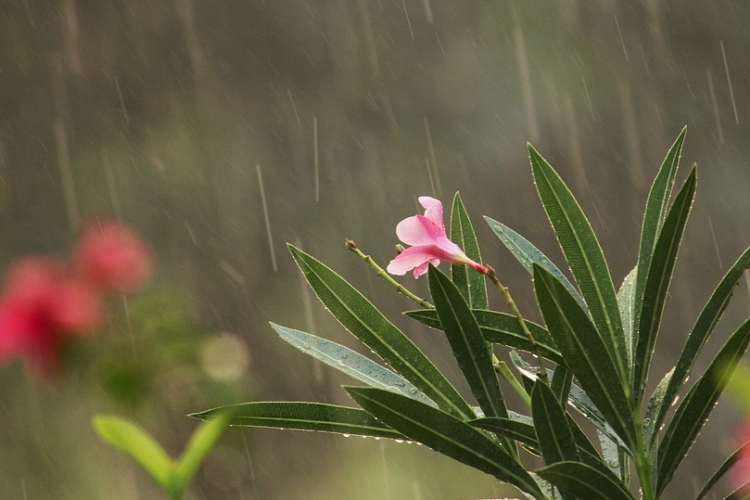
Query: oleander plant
x=580, y=379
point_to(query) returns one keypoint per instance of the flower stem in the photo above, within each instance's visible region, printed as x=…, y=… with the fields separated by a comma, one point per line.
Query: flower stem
x=490, y=273
x=387, y=277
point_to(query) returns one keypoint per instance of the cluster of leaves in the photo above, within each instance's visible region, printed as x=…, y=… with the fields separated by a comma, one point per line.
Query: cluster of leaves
x=600, y=341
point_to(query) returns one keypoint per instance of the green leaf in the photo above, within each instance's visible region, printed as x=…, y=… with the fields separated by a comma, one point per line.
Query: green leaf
x=528, y=255
x=138, y=444
x=350, y=362
x=615, y=457
x=657, y=282
x=562, y=382
x=364, y=321
x=585, y=258
x=584, y=481
x=584, y=353
x=577, y=398
x=519, y=431
x=551, y=424
x=723, y=469
x=655, y=403
x=500, y=328
x=303, y=417
x=467, y=342
x=698, y=404
x=625, y=302
x=201, y=442
x=471, y=283
x=704, y=326
x=445, y=434
x=653, y=218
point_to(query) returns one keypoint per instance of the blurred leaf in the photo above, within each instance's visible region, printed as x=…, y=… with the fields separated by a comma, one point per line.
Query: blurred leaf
x=201, y=442
x=471, y=283
x=364, y=321
x=528, y=255
x=653, y=218
x=585, y=258
x=318, y=417
x=350, y=362
x=444, y=433
x=584, y=353
x=550, y=422
x=467, y=343
x=584, y=481
x=657, y=282
x=694, y=410
x=704, y=326
x=723, y=469
x=625, y=298
x=500, y=328
x=138, y=444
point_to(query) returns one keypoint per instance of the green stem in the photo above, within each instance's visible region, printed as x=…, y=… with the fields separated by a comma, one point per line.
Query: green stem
x=387, y=277
x=501, y=368
x=490, y=273
x=643, y=462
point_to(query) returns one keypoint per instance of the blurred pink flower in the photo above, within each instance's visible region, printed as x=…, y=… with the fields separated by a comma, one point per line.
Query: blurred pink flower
x=429, y=243
x=112, y=257
x=739, y=476
x=41, y=305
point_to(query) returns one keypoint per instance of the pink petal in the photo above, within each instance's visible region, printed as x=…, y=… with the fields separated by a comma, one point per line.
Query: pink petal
x=409, y=259
x=422, y=269
x=433, y=210
x=419, y=230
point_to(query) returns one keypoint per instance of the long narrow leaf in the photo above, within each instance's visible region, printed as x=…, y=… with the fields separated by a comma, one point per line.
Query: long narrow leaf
x=653, y=218
x=364, y=321
x=444, y=433
x=500, y=328
x=468, y=344
x=350, y=362
x=584, y=481
x=625, y=301
x=694, y=410
x=658, y=280
x=704, y=326
x=551, y=424
x=303, y=417
x=528, y=255
x=201, y=442
x=584, y=353
x=138, y=444
x=519, y=431
x=584, y=256
x=723, y=469
x=472, y=284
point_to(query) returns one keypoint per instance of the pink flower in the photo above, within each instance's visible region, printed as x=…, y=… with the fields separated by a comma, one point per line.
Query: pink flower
x=739, y=476
x=429, y=243
x=112, y=257
x=40, y=307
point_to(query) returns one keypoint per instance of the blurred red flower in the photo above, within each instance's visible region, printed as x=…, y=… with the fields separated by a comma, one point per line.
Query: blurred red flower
x=40, y=306
x=739, y=475
x=112, y=257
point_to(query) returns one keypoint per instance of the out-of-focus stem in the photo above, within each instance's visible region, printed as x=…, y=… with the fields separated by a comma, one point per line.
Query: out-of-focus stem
x=501, y=367
x=387, y=277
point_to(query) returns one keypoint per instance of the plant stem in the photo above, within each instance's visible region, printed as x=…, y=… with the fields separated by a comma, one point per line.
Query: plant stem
x=490, y=273
x=387, y=277
x=501, y=368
